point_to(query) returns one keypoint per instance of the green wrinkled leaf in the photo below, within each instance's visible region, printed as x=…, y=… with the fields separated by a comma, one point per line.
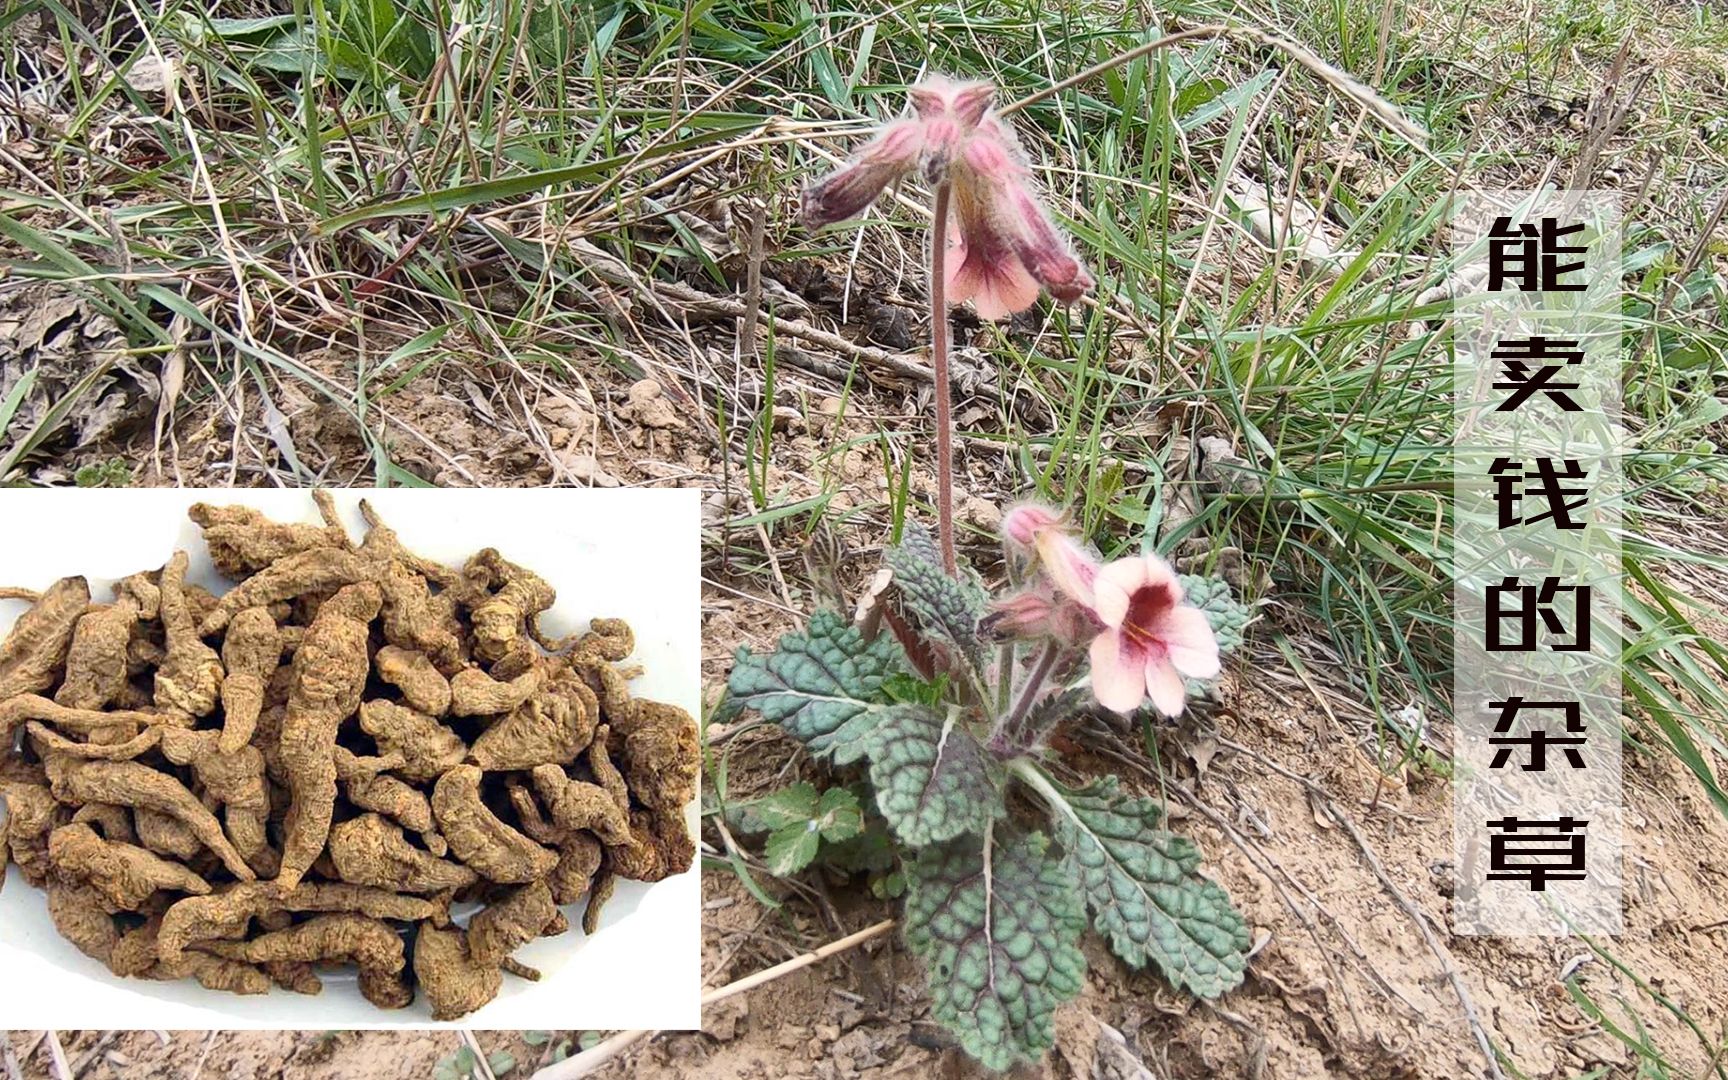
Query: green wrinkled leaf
x=998, y=929
x=838, y=815
x=1228, y=616
x=855, y=740
x=1145, y=891
x=792, y=848
x=791, y=805
x=933, y=778
x=835, y=811
x=817, y=680
x=801, y=820
x=909, y=689
x=946, y=607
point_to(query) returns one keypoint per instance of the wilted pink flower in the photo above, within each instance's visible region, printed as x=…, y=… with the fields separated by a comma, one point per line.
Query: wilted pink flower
x=1002, y=244
x=1022, y=523
x=1151, y=639
x=1038, y=611
x=1069, y=566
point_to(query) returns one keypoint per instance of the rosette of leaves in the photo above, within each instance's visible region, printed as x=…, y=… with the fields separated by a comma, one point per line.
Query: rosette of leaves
x=995, y=902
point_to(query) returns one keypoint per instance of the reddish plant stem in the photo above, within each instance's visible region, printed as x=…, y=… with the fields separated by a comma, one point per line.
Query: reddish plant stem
x=939, y=367
x=1030, y=691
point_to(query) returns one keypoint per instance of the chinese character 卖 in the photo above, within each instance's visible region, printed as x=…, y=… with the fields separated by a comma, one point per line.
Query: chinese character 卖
x=1516, y=356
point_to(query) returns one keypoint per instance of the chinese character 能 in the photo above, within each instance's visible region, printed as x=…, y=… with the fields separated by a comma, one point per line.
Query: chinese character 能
x=1529, y=256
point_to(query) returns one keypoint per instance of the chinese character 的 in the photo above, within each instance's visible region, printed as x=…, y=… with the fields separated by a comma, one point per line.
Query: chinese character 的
x=1526, y=605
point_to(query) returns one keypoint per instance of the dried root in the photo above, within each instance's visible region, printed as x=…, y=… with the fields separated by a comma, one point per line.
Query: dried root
x=369, y=850
x=189, y=677
x=228, y=914
x=250, y=654
x=554, y=726
x=125, y=876
x=307, y=769
x=423, y=687
x=372, y=945
x=428, y=748
x=37, y=646
x=479, y=837
x=97, y=660
x=330, y=670
x=475, y=693
x=455, y=982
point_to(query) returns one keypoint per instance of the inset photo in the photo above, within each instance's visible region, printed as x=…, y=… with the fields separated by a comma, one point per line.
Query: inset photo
x=349, y=759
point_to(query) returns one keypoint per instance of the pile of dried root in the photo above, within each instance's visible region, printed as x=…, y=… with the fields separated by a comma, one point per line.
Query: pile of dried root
x=312, y=768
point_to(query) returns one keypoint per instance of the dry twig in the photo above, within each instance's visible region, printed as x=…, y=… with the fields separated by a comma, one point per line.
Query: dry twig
x=585, y=1063
x=89, y=1056
x=482, y=1067
x=62, y=1069
x=203, y=1056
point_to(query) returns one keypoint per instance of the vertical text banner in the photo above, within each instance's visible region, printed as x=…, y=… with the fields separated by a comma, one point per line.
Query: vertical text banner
x=1536, y=563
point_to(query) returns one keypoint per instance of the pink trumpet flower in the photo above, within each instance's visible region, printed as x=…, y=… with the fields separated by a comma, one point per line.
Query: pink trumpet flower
x=1151, y=639
x=1144, y=639
x=1002, y=243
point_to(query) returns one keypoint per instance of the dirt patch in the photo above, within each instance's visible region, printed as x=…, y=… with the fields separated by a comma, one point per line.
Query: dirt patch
x=1331, y=861
x=1326, y=855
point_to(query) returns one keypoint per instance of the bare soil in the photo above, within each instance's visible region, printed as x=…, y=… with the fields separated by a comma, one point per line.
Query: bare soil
x=1326, y=857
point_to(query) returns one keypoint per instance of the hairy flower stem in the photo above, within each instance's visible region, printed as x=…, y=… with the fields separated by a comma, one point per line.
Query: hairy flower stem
x=939, y=366
x=1030, y=690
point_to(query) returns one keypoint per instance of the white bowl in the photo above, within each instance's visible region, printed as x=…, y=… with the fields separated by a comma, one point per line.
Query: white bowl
x=626, y=553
